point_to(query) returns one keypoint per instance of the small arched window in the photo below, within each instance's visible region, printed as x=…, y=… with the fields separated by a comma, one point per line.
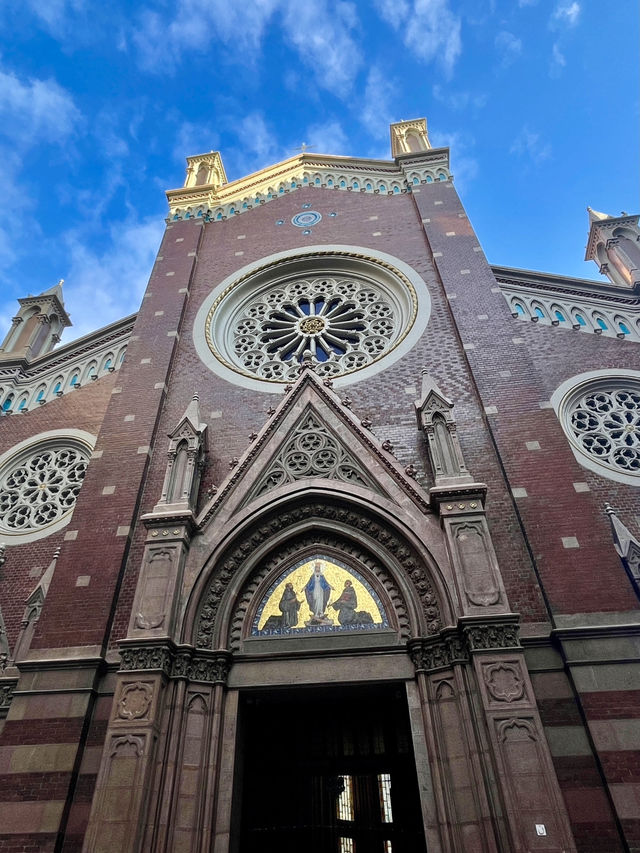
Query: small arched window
x=74, y=379
x=518, y=310
x=6, y=406
x=40, y=395
x=560, y=316
x=58, y=388
x=22, y=404
x=624, y=328
x=580, y=320
x=539, y=312
x=601, y=323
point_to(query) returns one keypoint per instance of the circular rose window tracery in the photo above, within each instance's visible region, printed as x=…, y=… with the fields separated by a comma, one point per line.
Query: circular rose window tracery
x=606, y=425
x=39, y=486
x=346, y=310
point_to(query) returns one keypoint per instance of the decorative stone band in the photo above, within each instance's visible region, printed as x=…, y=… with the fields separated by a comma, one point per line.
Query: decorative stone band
x=457, y=645
x=177, y=662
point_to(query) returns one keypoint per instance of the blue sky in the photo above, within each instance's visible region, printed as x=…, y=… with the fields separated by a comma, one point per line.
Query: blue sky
x=100, y=104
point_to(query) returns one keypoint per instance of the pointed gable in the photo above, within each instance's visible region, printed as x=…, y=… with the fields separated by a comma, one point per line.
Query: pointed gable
x=313, y=434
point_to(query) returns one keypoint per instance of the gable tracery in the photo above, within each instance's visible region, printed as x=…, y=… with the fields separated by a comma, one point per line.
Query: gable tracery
x=312, y=451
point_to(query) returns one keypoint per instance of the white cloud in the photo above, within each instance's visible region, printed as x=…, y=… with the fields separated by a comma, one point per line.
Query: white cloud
x=558, y=60
x=319, y=31
x=429, y=28
x=459, y=100
x=102, y=286
x=194, y=138
x=32, y=109
x=509, y=47
x=322, y=37
x=380, y=96
x=464, y=165
x=55, y=16
x=522, y=3
x=565, y=14
x=528, y=144
x=328, y=138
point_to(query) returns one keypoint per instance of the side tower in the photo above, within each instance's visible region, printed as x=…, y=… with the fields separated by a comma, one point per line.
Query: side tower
x=37, y=326
x=614, y=244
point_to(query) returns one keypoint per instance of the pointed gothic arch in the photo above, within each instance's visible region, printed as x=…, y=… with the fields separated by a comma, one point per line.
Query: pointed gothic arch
x=368, y=534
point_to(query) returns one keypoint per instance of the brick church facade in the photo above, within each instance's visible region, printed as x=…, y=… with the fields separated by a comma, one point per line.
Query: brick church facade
x=341, y=555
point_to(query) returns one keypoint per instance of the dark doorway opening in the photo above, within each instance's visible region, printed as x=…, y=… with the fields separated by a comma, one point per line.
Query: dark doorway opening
x=329, y=771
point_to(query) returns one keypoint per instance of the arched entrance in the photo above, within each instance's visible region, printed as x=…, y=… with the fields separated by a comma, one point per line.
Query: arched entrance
x=327, y=769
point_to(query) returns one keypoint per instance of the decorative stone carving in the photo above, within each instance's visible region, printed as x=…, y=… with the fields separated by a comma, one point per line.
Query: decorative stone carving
x=504, y=681
x=435, y=418
x=516, y=728
x=492, y=635
x=627, y=547
x=432, y=653
x=157, y=568
x=312, y=451
x=6, y=695
x=135, y=701
x=185, y=457
x=445, y=690
x=127, y=745
x=475, y=559
x=145, y=658
x=232, y=561
x=181, y=663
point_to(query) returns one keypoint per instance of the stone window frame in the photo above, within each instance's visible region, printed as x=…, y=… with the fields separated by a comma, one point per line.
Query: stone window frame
x=563, y=400
x=395, y=275
x=57, y=439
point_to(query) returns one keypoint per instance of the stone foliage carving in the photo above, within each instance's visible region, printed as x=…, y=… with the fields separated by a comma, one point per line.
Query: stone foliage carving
x=181, y=663
x=504, y=681
x=135, y=701
x=433, y=653
x=6, y=695
x=312, y=451
x=233, y=560
x=491, y=635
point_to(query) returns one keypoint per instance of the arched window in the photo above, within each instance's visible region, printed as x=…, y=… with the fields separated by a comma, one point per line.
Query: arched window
x=6, y=406
x=202, y=176
x=57, y=388
x=580, y=320
x=601, y=323
x=560, y=316
x=539, y=313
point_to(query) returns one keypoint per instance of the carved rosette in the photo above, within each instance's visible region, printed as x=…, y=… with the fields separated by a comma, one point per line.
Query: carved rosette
x=504, y=681
x=135, y=701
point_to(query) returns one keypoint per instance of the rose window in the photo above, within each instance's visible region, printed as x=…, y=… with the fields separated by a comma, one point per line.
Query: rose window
x=350, y=312
x=39, y=487
x=344, y=324
x=606, y=425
